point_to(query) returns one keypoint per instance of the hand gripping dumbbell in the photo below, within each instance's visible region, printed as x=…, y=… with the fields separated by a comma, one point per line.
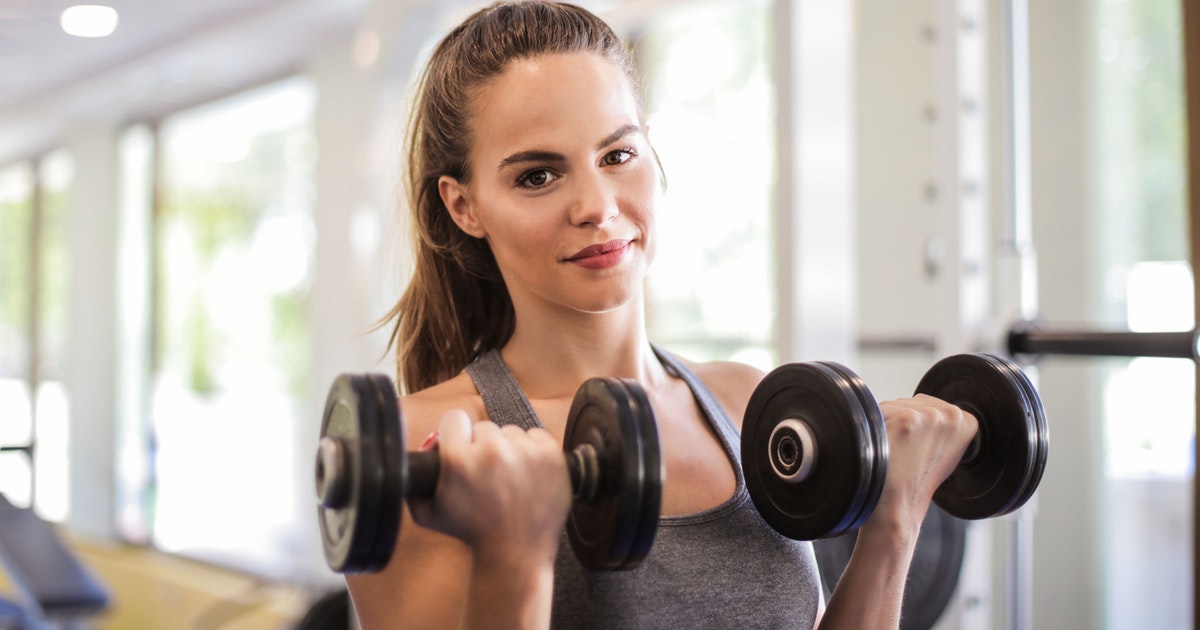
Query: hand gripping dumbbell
x=815, y=453
x=363, y=473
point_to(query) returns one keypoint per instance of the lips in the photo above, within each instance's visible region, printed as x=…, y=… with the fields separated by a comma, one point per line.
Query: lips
x=597, y=250
x=601, y=256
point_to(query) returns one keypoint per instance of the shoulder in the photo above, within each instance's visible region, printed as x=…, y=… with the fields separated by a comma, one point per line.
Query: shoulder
x=730, y=382
x=423, y=410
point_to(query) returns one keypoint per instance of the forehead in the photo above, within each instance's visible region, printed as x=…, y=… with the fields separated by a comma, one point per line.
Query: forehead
x=551, y=100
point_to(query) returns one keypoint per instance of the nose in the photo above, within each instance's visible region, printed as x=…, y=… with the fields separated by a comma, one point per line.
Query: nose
x=594, y=202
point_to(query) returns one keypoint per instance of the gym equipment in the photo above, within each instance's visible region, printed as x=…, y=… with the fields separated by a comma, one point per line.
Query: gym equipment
x=1028, y=338
x=814, y=445
x=53, y=586
x=363, y=472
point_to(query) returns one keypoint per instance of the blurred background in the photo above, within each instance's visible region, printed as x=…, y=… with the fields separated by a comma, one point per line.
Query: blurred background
x=201, y=225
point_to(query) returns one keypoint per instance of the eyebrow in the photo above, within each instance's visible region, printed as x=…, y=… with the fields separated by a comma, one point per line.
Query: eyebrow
x=537, y=155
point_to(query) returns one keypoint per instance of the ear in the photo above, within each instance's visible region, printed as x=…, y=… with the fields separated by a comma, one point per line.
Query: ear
x=457, y=201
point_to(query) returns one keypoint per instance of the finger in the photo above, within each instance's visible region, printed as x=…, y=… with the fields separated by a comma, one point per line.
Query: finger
x=540, y=435
x=454, y=429
x=922, y=409
x=920, y=401
x=512, y=432
x=937, y=405
x=485, y=431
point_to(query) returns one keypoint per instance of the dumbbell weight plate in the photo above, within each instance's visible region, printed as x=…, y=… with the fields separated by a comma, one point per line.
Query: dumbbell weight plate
x=397, y=467
x=653, y=474
x=358, y=531
x=851, y=454
x=1013, y=443
x=879, y=440
x=1043, y=428
x=616, y=529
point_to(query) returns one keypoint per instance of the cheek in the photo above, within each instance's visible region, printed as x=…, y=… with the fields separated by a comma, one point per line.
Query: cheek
x=522, y=233
x=645, y=202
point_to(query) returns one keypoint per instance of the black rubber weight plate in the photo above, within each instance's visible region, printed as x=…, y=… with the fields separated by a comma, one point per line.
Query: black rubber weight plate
x=879, y=442
x=652, y=475
x=393, y=458
x=994, y=482
x=829, y=502
x=605, y=531
x=347, y=532
x=1040, y=423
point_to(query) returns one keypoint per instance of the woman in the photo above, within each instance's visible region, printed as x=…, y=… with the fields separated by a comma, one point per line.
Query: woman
x=534, y=190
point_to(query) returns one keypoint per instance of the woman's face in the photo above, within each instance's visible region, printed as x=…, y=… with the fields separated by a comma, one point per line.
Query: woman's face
x=564, y=182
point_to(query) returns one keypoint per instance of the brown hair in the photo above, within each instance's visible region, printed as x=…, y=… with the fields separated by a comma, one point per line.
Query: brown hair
x=456, y=305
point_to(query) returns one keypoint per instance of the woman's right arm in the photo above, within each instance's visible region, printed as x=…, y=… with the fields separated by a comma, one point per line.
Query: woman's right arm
x=481, y=553
x=423, y=586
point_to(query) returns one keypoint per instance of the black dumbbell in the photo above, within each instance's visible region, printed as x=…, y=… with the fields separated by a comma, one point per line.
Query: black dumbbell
x=814, y=444
x=363, y=472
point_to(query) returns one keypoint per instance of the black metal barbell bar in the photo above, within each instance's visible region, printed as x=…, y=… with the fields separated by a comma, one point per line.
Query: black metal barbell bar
x=1030, y=339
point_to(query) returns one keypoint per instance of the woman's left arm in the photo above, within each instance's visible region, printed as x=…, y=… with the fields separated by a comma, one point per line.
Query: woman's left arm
x=926, y=440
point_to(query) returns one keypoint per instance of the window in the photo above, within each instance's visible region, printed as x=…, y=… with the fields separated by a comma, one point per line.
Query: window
x=710, y=106
x=233, y=256
x=1149, y=403
x=16, y=329
x=33, y=332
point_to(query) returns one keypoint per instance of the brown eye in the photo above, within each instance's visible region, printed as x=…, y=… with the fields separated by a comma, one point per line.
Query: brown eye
x=536, y=178
x=614, y=158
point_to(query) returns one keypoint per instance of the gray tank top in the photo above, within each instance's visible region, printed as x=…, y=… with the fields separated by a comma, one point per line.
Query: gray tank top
x=720, y=568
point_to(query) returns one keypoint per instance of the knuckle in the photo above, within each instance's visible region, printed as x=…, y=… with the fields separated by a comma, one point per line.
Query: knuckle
x=903, y=420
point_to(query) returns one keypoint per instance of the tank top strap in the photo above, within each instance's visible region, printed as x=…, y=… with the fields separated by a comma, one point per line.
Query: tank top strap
x=714, y=412
x=506, y=403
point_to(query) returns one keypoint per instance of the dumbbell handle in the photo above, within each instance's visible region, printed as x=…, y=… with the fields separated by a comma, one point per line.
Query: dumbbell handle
x=583, y=468
x=423, y=468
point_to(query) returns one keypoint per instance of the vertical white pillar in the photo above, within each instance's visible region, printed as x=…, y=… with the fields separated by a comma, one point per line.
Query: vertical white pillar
x=1016, y=269
x=1069, y=565
x=962, y=271
x=91, y=361
x=815, y=68
x=963, y=288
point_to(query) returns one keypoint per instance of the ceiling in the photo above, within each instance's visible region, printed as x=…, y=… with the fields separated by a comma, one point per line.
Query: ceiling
x=167, y=55
x=37, y=57
x=164, y=54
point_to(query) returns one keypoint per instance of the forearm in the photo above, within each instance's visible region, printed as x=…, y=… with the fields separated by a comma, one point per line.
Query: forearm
x=508, y=593
x=871, y=588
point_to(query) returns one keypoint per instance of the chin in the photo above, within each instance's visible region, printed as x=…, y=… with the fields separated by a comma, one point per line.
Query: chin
x=609, y=303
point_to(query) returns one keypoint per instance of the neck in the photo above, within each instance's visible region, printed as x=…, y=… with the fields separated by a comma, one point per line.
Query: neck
x=552, y=356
